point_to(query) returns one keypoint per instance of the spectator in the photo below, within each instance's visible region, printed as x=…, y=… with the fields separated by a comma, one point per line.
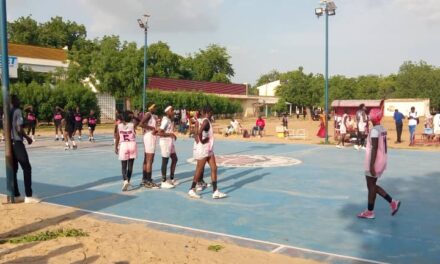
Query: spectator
x=413, y=121
x=429, y=127
x=297, y=113
x=361, y=124
x=19, y=153
x=304, y=113
x=259, y=127
x=285, y=125
x=234, y=127
x=321, y=131
x=436, y=124
x=398, y=119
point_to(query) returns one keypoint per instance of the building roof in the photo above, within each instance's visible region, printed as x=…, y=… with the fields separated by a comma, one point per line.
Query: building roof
x=28, y=51
x=196, y=86
x=356, y=103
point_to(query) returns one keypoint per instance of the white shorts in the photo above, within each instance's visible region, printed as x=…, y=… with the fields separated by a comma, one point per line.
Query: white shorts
x=150, y=143
x=167, y=147
x=343, y=130
x=127, y=150
x=202, y=151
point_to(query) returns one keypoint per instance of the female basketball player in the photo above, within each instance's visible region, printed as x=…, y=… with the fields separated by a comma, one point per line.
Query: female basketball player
x=57, y=117
x=31, y=119
x=92, y=120
x=167, y=148
x=149, y=125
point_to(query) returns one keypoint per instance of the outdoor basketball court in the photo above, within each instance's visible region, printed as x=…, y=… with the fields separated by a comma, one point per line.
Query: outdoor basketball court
x=299, y=200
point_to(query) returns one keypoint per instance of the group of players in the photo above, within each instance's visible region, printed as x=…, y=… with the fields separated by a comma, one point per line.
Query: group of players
x=162, y=130
x=67, y=124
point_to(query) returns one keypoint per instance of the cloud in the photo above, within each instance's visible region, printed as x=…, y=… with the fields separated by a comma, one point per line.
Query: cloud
x=167, y=16
x=426, y=9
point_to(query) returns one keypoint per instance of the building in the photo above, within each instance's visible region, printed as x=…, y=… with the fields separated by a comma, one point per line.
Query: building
x=46, y=60
x=404, y=106
x=268, y=89
x=252, y=105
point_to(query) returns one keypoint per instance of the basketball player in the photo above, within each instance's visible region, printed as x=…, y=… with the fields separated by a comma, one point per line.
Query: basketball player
x=149, y=125
x=57, y=117
x=375, y=165
x=126, y=148
x=31, y=119
x=167, y=148
x=204, y=153
x=343, y=129
x=92, y=120
x=69, y=130
x=78, y=123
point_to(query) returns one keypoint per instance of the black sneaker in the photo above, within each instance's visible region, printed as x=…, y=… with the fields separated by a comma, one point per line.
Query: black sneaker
x=150, y=185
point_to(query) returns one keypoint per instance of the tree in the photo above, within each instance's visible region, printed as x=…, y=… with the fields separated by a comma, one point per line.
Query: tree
x=162, y=62
x=295, y=87
x=57, y=33
x=24, y=30
x=272, y=76
x=212, y=64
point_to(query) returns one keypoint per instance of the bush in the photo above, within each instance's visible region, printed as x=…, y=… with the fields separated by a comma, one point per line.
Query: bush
x=188, y=100
x=46, y=97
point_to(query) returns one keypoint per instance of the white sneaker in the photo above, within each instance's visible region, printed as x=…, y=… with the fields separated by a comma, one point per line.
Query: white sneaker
x=125, y=186
x=338, y=146
x=356, y=147
x=364, y=148
x=175, y=182
x=166, y=185
x=200, y=187
x=193, y=194
x=31, y=200
x=218, y=195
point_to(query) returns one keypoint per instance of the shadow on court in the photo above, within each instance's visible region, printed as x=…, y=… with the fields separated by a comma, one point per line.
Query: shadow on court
x=413, y=235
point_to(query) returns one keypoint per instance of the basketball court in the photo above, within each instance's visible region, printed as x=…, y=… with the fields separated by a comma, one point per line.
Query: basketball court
x=298, y=200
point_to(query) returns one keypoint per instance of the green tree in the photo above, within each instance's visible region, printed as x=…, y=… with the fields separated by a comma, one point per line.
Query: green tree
x=272, y=76
x=162, y=62
x=58, y=33
x=212, y=64
x=24, y=30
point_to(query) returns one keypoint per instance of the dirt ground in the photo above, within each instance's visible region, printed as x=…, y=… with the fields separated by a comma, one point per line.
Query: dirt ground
x=110, y=242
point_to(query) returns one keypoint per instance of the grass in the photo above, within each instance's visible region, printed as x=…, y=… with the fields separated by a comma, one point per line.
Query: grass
x=215, y=248
x=45, y=236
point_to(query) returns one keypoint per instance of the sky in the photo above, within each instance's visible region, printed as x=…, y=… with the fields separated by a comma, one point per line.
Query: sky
x=366, y=36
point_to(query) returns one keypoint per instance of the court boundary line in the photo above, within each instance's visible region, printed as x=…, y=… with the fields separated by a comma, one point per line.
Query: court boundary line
x=279, y=246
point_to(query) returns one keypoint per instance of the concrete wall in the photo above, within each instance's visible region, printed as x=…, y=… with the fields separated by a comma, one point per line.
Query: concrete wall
x=107, y=104
x=268, y=89
x=404, y=106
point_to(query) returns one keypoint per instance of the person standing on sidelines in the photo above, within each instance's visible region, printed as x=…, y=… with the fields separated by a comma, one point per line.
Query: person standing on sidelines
x=343, y=129
x=126, y=148
x=1, y=124
x=398, y=119
x=57, y=117
x=19, y=153
x=167, y=148
x=69, y=130
x=361, y=124
x=78, y=123
x=149, y=126
x=436, y=124
x=92, y=120
x=413, y=121
x=375, y=165
x=31, y=120
x=204, y=153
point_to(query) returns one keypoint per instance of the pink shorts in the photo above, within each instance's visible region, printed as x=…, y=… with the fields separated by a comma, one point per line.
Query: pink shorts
x=127, y=150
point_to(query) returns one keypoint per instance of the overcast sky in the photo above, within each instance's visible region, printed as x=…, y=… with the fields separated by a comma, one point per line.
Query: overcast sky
x=366, y=36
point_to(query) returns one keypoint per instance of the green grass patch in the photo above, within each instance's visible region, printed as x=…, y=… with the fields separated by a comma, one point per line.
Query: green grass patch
x=215, y=248
x=45, y=236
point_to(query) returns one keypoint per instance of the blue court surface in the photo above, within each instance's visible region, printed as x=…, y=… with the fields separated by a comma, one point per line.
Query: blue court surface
x=307, y=209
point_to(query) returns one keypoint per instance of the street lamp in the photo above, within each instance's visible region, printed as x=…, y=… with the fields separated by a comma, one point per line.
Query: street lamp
x=327, y=8
x=143, y=23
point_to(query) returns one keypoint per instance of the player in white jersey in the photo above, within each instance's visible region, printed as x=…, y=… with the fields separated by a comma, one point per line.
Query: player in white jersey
x=167, y=148
x=375, y=164
x=149, y=126
x=343, y=129
x=204, y=153
x=126, y=148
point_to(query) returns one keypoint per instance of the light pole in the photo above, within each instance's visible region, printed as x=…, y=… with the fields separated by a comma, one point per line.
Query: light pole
x=327, y=8
x=143, y=23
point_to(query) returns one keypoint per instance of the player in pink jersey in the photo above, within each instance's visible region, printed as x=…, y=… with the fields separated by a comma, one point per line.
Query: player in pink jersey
x=375, y=165
x=204, y=153
x=126, y=148
x=167, y=148
x=149, y=125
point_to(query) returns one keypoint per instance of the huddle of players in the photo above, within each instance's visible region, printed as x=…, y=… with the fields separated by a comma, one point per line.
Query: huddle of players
x=203, y=151
x=72, y=122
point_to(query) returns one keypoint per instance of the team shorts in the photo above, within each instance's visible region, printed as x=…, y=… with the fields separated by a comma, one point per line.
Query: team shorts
x=167, y=147
x=57, y=123
x=78, y=126
x=202, y=151
x=92, y=127
x=127, y=150
x=343, y=130
x=150, y=143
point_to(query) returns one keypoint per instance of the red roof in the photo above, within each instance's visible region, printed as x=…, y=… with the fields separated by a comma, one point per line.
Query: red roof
x=196, y=86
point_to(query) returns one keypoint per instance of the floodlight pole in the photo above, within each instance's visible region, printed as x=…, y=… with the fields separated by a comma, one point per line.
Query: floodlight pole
x=326, y=77
x=145, y=69
x=6, y=108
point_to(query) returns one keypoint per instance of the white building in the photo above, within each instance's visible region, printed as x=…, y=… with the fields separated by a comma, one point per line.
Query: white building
x=268, y=89
x=404, y=106
x=45, y=60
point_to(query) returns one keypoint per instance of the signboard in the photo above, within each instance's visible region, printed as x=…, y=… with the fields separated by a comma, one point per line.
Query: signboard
x=13, y=66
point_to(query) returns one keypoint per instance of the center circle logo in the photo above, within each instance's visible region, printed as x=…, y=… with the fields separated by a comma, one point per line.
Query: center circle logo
x=253, y=161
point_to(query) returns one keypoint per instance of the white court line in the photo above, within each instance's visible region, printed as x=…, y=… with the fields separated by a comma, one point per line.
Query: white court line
x=218, y=234
x=278, y=249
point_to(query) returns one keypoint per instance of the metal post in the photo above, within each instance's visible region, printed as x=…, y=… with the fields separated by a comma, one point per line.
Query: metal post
x=326, y=77
x=6, y=107
x=145, y=70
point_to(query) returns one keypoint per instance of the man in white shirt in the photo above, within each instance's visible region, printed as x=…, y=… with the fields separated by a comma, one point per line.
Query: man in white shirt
x=412, y=124
x=436, y=122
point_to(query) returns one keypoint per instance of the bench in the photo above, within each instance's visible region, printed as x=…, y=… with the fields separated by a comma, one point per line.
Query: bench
x=297, y=133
